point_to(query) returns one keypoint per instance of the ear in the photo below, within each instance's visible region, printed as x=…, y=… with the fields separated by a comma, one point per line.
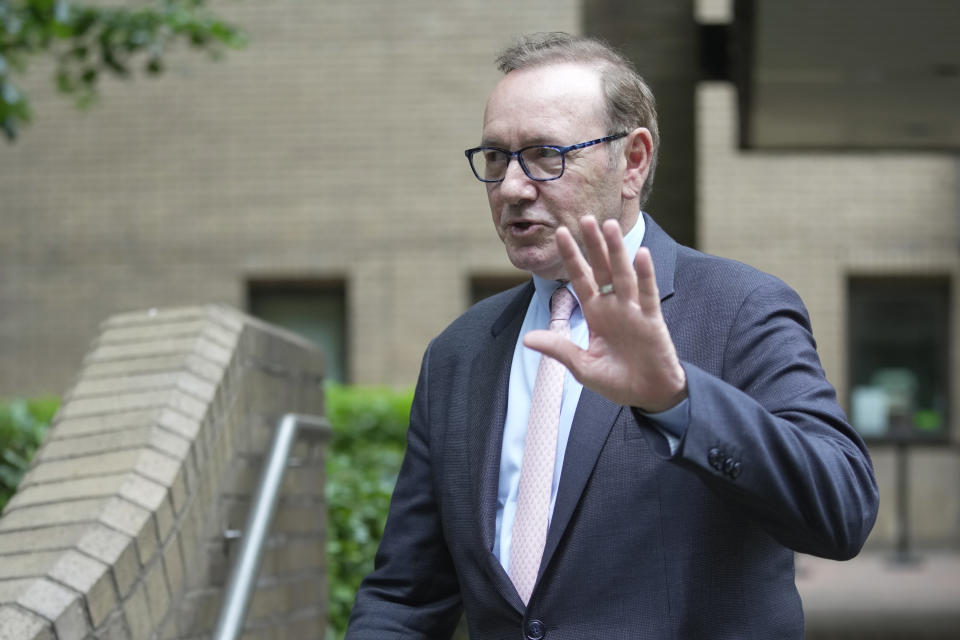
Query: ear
x=638, y=151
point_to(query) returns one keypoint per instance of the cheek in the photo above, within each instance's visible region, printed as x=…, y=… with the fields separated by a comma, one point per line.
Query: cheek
x=495, y=210
x=496, y=215
x=570, y=205
x=492, y=199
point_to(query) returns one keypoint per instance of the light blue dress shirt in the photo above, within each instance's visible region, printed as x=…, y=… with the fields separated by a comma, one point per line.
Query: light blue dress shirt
x=523, y=374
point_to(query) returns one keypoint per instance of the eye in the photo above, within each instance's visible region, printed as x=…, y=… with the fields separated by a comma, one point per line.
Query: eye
x=493, y=156
x=546, y=153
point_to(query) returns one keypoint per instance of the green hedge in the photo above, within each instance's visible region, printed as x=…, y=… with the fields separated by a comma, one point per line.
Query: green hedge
x=369, y=436
x=23, y=424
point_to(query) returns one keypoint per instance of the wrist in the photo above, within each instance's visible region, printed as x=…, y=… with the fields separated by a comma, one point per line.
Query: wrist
x=675, y=392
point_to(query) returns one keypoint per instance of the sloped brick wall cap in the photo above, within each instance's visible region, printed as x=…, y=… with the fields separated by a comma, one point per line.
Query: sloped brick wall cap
x=104, y=490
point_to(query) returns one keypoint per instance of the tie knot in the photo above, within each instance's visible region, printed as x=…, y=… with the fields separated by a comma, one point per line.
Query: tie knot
x=562, y=304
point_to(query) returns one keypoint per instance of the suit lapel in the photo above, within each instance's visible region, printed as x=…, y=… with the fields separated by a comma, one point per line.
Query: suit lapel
x=592, y=422
x=489, y=383
x=595, y=415
x=663, y=250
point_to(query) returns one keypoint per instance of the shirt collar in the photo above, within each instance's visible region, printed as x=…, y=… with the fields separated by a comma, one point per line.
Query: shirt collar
x=545, y=287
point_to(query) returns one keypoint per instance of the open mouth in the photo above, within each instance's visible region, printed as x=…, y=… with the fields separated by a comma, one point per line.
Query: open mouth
x=525, y=228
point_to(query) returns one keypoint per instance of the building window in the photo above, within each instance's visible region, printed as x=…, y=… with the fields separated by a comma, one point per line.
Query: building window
x=898, y=336
x=823, y=75
x=487, y=285
x=317, y=310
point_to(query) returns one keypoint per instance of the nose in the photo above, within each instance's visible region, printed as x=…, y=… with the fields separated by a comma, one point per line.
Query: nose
x=517, y=186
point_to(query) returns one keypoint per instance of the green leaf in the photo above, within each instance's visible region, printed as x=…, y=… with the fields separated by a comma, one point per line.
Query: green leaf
x=65, y=81
x=369, y=432
x=23, y=424
x=89, y=40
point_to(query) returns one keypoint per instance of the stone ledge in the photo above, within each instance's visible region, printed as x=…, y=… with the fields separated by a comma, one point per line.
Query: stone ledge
x=119, y=518
x=66, y=428
x=16, y=623
x=124, y=402
x=134, y=383
x=224, y=316
x=62, y=606
x=146, y=365
x=59, y=446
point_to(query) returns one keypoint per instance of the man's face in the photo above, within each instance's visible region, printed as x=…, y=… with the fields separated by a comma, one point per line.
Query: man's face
x=559, y=104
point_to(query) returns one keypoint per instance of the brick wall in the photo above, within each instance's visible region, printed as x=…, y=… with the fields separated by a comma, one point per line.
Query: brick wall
x=117, y=529
x=330, y=148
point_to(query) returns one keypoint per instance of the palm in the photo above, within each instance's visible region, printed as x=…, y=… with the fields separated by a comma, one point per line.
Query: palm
x=631, y=359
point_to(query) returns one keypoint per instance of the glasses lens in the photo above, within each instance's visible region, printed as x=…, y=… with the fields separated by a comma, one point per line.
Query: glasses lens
x=543, y=162
x=489, y=164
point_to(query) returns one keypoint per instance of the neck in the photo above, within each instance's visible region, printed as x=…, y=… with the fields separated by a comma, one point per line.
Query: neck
x=629, y=218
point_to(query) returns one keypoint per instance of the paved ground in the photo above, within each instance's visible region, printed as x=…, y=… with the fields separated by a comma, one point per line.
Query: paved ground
x=873, y=597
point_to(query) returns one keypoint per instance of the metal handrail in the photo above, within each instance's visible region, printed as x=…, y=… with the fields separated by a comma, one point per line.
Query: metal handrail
x=243, y=576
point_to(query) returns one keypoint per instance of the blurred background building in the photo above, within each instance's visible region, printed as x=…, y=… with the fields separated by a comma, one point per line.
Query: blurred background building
x=316, y=179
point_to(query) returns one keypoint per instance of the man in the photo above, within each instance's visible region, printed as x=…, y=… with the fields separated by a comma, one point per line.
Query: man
x=698, y=444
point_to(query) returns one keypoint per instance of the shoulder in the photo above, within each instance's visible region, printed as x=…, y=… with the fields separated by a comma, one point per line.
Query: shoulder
x=703, y=279
x=716, y=299
x=486, y=318
x=706, y=276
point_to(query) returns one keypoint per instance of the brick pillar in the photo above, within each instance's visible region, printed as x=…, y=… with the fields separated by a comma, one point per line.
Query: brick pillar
x=117, y=529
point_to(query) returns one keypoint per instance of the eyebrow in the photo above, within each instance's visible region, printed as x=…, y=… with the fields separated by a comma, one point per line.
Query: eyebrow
x=532, y=142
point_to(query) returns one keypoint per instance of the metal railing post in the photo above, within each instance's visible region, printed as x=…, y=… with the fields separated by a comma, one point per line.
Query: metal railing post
x=243, y=575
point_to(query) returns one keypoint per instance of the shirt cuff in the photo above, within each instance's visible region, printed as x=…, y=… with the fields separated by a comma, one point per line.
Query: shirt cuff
x=672, y=423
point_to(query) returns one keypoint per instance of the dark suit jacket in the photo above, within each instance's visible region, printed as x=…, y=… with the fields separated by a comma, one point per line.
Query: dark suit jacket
x=642, y=544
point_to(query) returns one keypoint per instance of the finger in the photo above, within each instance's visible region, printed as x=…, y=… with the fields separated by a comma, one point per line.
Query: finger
x=621, y=266
x=554, y=346
x=596, y=249
x=649, y=294
x=578, y=271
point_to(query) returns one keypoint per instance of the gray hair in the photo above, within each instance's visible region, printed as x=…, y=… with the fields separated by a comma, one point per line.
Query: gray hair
x=629, y=100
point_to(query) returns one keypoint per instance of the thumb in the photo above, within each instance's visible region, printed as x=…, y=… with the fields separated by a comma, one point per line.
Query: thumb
x=554, y=346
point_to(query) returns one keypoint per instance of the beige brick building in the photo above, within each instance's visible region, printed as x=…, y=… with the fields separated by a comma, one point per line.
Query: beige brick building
x=329, y=151
x=320, y=173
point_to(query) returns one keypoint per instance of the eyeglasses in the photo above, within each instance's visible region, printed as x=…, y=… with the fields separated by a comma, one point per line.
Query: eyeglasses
x=540, y=162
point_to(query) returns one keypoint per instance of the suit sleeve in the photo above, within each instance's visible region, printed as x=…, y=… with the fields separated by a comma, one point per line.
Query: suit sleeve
x=767, y=433
x=412, y=592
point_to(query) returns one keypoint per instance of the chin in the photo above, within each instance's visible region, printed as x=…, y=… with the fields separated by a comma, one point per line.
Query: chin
x=544, y=269
x=536, y=260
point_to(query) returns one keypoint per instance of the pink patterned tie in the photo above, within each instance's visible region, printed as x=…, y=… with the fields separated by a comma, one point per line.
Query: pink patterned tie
x=539, y=453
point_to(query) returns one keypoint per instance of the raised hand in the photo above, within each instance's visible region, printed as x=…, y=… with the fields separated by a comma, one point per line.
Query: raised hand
x=631, y=359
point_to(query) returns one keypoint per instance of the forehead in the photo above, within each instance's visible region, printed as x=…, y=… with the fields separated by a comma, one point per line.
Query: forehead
x=552, y=103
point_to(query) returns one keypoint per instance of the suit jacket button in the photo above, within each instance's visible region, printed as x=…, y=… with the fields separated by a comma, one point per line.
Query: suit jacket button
x=715, y=458
x=735, y=471
x=728, y=465
x=535, y=630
